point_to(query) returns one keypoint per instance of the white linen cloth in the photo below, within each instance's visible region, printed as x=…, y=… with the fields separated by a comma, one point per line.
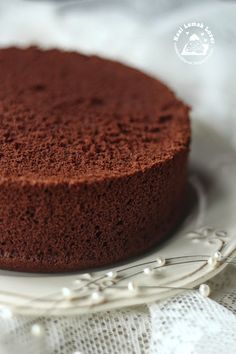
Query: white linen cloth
x=140, y=33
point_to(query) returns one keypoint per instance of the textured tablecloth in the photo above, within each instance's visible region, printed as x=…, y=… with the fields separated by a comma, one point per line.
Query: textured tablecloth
x=140, y=33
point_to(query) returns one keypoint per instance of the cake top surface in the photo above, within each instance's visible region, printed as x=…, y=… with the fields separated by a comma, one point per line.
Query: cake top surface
x=67, y=116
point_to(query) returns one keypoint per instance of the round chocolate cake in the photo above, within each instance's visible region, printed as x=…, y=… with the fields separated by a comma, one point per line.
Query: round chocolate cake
x=93, y=161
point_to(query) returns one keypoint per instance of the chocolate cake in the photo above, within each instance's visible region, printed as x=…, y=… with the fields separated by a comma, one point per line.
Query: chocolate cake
x=93, y=161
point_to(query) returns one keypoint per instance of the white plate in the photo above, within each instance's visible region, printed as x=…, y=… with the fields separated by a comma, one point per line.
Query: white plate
x=211, y=227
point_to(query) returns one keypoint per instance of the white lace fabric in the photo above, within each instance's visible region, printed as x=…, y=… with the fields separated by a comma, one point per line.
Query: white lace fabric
x=190, y=323
x=187, y=323
x=184, y=324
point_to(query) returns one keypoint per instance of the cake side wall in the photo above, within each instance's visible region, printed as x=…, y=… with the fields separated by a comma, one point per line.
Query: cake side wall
x=68, y=227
